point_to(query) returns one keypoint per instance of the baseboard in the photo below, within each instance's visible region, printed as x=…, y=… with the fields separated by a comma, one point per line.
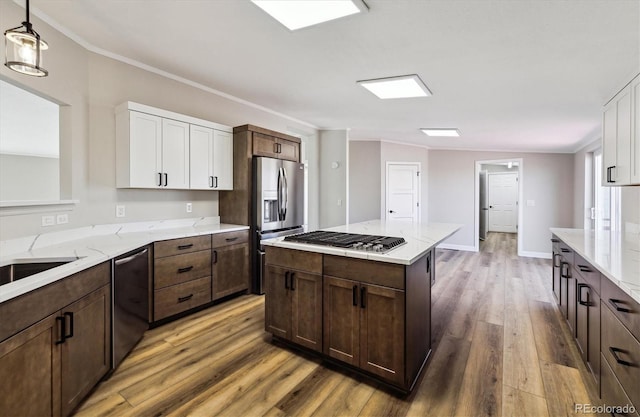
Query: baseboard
x=457, y=247
x=542, y=255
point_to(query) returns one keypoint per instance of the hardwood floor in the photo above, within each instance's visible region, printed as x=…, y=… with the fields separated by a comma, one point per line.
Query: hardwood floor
x=500, y=348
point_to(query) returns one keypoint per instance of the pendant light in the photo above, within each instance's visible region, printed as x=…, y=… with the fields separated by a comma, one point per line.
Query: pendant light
x=23, y=49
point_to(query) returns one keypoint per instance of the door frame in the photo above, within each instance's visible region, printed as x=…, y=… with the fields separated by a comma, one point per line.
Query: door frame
x=476, y=201
x=386, y=187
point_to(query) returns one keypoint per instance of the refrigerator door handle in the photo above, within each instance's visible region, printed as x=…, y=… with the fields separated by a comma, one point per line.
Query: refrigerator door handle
x=285, y=194
x=279, y=194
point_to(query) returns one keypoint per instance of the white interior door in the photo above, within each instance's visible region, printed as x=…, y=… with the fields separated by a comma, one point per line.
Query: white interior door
x=503, y=202
x=403, y=191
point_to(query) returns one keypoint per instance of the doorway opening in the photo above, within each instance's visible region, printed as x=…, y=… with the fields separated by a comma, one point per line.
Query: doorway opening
x=402, y=191
x=498, y=193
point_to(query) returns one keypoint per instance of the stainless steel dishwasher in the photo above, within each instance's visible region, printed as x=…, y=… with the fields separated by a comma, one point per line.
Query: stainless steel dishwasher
x=130, y=308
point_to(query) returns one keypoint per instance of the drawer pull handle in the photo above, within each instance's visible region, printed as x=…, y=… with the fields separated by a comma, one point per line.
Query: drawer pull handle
x=583, y=303
x=231, y=239
x=363, y=296
x=292, y=276
x=186, y=298
x=70, y=335
x=556, y=256
x=614, y=351
x=63, y=329
x=355, y=296
x=564, y=274
x=615, y=305
x=555, y=240
x=185, y=269
x=565, y=250
x=183, y=247
x=584, y=268
x=215, y=256
x=286, y=280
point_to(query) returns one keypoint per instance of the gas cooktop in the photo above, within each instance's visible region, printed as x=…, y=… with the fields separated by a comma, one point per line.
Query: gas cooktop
x=371, y=243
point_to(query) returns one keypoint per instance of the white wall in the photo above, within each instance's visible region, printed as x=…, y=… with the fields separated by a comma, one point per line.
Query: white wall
x=333, y=181
x=364, y=181
x=547, y=179
x=89, y=86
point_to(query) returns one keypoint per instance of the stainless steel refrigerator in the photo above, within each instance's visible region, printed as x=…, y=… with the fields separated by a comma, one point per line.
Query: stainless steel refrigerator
x=278, y=205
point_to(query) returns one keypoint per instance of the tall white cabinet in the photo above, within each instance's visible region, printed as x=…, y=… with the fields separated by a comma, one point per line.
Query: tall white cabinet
x=621, y=137
x=160, y=149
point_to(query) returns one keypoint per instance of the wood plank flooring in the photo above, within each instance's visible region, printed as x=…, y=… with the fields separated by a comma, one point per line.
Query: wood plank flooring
x=500, y=349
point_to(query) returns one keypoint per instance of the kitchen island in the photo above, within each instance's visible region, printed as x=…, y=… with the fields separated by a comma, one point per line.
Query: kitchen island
x=366, y=310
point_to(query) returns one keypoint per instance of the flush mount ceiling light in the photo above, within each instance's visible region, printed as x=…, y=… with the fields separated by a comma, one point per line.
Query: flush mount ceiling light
x=296, y=14
x=23, y=49
x=442, y=132
x=405, y=86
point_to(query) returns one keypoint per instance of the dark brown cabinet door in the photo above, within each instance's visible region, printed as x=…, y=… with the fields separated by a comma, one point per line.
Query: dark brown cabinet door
x=277, y=320
x=85, y=354
x=306, y=299
x=230, y=270
x=565, y=276
x=341, y=319
x=593, y=342
x=288, y=150
x=30, y=371
x=264, y=145
x=556, y=276
x=382, y=332
x=572, y=302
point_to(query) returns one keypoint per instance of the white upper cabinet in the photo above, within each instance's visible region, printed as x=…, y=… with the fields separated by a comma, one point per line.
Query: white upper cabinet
x=211, y=159
x=621, y=137
x=160, y=149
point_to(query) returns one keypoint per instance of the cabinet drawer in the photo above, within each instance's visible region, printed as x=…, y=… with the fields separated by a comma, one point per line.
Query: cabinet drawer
x=622, y=352
x=590, y=274
x=612, y=392
x=184, y=245
x=619, y=301
x=378, y=273
x=294, y=259
x=176, y=269
x=229, y=238
x=566, y=252
x=178, y=298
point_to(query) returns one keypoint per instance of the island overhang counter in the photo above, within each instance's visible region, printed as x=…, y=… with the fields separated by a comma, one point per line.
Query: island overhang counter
x=367, y=311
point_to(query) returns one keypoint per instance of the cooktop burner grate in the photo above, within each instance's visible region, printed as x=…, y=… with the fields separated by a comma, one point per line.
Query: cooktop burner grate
x=381, y=244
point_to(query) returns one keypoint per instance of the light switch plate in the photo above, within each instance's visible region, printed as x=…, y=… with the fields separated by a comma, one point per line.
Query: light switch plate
x=48, y=221
x=189, y=207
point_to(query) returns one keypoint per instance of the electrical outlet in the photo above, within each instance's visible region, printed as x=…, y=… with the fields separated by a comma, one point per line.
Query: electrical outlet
x=48, y=220
x=62, y=218
x=189, y=207
x=120, y=212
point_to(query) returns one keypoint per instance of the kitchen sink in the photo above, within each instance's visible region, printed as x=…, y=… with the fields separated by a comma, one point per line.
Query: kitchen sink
x=23, y=268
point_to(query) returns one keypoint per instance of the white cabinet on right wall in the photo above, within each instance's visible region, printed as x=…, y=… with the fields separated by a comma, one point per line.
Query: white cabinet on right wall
x=211, y=159
x=621, y=137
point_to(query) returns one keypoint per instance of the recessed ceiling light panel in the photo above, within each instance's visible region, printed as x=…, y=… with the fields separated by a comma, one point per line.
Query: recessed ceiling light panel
x=442, y=132
x=296, y=14
x=405, y=86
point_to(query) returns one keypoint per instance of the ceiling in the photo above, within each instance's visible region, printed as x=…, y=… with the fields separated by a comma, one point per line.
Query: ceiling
x=517, y=75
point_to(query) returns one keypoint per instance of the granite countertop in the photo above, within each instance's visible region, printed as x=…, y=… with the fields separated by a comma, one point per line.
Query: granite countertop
x=615, y=254
x=420, y=237
x=89, y=246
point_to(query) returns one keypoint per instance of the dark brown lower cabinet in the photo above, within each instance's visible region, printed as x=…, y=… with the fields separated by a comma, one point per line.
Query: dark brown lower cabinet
x=230, y=269
x=588, y=326
x=342, y=320
x=293, y=307
x=48, y=368
x=571, y=302
x=555, y=277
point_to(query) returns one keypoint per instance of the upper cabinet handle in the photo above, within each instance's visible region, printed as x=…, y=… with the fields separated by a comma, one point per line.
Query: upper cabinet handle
x=159, y=179
x=166, y=179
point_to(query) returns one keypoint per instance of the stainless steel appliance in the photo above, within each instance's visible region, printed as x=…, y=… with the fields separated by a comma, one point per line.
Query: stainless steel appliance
x=278, y=205
x=352, y=241
x=130, y=298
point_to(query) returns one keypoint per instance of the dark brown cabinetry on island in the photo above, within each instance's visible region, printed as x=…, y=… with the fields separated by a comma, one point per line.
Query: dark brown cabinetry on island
x=369, y=315
x=57, y=347
x=606, y=326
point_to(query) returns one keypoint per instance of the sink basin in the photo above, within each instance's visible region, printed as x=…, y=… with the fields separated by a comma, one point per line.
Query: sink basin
x=23, y=268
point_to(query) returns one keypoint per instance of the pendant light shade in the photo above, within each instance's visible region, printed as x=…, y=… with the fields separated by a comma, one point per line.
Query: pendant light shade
x=23, y=49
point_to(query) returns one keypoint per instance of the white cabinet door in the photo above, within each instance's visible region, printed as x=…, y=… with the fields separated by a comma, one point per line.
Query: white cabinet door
x=223, y=160
x=635, y=138
x=145, y=147
x=616, y=139
x=175, y=154
x=201, y=160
